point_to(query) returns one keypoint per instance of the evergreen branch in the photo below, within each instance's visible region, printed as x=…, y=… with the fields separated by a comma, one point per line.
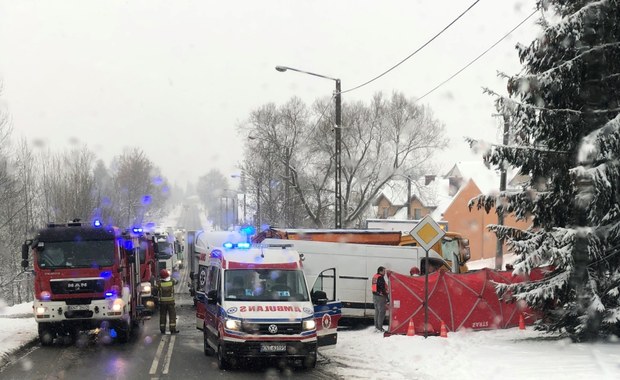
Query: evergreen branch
x=473, y=142
x=559, y=110
x=604, y=258
x=570, y=61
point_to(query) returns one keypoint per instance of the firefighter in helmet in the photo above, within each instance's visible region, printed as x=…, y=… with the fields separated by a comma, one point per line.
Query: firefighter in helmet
x=166, y=303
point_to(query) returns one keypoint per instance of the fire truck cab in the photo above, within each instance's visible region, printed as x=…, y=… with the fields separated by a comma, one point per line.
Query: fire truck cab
x=254, y=302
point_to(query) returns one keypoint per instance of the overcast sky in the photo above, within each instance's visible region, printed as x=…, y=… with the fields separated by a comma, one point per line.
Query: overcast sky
x=176, y=77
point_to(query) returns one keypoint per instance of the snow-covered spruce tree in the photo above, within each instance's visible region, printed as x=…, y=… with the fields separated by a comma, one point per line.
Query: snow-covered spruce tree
x=565, y=112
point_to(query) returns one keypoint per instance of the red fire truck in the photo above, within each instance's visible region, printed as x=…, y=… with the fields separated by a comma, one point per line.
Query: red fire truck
x=85, y=276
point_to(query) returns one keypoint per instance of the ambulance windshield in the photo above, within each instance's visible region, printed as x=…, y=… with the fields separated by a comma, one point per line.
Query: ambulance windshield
x=265, y=285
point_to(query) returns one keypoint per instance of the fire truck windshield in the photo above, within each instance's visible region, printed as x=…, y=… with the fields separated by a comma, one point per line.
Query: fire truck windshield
x=265, y=285
x=76, y=254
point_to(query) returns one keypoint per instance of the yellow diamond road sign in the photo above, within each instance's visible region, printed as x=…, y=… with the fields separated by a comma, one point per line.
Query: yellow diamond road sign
x=427, y=232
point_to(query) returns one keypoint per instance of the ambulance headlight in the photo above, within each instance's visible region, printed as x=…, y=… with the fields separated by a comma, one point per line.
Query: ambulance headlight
x=308, y=325
x=233, y=324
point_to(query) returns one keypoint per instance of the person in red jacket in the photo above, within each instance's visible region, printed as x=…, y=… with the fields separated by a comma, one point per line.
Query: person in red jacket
x=380, y=298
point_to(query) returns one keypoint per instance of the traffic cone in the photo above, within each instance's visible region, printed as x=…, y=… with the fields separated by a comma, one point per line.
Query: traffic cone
x=443, y=332
x=521, y=322
x=411, y=328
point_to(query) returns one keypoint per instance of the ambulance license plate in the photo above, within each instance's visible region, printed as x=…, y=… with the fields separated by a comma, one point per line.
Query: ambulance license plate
x=270, y=347
x=77, y=307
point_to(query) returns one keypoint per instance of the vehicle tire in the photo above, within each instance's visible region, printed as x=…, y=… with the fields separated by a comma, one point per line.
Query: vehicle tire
x=46, y=334
x=222, y=360
x=123, y=331
x=207, y=349
x=309, y=361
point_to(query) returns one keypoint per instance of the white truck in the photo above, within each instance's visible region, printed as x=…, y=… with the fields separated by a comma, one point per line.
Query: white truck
x=353, y=265
x=165, y=250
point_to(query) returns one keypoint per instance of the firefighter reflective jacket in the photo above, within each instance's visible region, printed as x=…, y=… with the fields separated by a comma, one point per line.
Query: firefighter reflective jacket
x=166, y=291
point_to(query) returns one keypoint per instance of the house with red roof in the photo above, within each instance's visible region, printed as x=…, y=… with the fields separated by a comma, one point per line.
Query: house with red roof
x=446, y=198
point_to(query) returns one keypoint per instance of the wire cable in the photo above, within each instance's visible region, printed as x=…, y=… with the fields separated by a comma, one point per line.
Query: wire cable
x=478, y=57
x=415, y=52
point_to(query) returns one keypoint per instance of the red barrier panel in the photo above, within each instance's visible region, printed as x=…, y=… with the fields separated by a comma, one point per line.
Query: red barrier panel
x=461, y=300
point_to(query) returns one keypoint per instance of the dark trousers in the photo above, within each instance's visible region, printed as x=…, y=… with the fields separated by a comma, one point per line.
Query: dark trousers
x=167, y=309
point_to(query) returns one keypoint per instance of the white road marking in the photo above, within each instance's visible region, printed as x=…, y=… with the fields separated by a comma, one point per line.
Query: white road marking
x=168, y=356
x=157, y=355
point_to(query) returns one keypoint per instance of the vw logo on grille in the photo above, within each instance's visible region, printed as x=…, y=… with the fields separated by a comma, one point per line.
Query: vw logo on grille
x=273, y=329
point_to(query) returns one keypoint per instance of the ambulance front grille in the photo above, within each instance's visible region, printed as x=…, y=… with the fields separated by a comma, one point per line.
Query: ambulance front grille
x=268, y=328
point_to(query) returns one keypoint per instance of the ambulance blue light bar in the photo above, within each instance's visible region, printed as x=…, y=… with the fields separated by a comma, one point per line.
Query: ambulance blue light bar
x=97, y=223
x=242, y=245
x=137, y=230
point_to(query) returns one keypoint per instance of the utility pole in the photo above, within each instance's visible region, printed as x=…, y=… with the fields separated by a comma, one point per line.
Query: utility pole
x=338, y=148
x=338, y=205
x=499, y=254
x=408, y=197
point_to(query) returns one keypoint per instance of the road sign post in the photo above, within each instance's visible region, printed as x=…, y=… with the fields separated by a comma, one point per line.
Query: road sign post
x=427, y=232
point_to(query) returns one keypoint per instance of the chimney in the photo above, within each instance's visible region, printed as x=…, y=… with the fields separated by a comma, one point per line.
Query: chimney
x=429, y=178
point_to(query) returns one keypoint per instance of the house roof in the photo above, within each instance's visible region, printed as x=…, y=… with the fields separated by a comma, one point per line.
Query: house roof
x=437, y=193
x=486, y=179
x=429, y=195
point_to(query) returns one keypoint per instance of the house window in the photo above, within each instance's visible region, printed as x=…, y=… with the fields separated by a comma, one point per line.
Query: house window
x=385, y=212
x=417, y=213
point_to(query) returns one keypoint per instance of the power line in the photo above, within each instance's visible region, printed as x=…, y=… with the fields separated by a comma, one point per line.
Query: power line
x=415, y=52
x=478, y=57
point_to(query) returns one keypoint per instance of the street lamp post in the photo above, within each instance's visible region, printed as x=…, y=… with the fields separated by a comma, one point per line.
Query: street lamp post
x=338, y=137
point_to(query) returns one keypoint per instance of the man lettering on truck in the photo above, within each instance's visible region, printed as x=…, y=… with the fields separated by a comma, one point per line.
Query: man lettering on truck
x=379, y=296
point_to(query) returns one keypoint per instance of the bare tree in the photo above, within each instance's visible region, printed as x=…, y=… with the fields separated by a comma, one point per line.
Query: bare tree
x=140, y=192
x=211, y=188
x=69, y=184
x=384, y=139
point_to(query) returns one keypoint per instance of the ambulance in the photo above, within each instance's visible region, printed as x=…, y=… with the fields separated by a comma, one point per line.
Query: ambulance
x=253, y=301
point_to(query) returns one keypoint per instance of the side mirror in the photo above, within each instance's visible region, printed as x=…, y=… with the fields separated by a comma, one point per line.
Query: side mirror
x=25, y=247
x=319, y=297
x=212, y=297
x=456, y=263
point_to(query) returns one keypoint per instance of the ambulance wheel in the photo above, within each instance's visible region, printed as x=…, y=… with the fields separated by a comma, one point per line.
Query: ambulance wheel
x=310, y=361
x=46, y=334
x=207, y=349
x=222, y=361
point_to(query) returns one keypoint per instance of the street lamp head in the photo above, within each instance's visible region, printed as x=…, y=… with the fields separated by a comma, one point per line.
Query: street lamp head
x=281, y=68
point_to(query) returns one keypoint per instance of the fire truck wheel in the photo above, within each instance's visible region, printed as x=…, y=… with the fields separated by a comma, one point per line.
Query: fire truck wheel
x=123, y=331
x=46, y=334
x=207, y=349
x=222, y=361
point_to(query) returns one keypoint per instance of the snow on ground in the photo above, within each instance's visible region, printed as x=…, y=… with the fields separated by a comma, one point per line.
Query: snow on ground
x=363, y=354
x=17, y=328
x=477, y=355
